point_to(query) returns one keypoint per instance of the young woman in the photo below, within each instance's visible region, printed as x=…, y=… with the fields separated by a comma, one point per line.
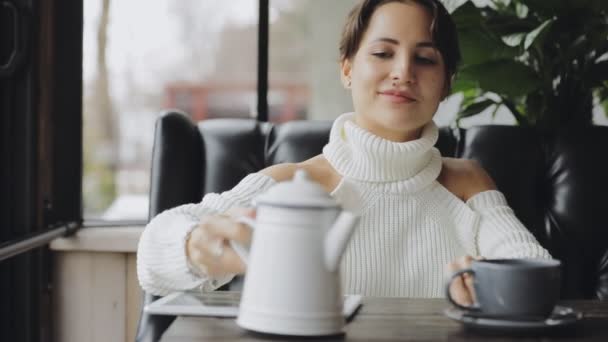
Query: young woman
x=419, y=212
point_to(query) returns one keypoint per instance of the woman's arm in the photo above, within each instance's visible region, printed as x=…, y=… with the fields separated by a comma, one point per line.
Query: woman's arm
x=500, y=233
x=162, y=263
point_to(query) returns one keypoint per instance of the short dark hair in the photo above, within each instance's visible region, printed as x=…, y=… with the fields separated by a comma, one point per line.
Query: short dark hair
x=443, y=31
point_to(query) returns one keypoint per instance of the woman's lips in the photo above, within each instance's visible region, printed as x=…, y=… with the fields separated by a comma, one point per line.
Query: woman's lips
x=397, y=98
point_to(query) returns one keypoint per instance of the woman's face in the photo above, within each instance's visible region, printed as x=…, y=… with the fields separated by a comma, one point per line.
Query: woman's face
x=397, y=76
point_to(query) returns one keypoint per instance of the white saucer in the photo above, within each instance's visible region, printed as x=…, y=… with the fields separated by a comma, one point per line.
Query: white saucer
x=562, y=316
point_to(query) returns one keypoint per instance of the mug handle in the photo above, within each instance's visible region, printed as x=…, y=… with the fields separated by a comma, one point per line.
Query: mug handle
x=474, y=307
x=242, y=251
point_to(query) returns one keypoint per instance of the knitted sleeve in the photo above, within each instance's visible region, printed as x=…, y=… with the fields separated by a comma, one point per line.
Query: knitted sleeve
x=500, y=234
x=162, y=266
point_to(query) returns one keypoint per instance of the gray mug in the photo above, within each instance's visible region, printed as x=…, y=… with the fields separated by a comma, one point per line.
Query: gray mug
x=512, y=288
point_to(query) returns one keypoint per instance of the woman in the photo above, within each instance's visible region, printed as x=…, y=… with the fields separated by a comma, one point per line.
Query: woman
x=419, y=212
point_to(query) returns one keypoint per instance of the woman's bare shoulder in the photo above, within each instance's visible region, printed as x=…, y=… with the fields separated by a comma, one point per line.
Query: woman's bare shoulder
x=318, y=169
x=465, y=177
x=280, y=172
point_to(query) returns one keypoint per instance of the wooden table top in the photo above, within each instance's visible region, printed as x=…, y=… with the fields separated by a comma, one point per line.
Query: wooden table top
x=398, y=319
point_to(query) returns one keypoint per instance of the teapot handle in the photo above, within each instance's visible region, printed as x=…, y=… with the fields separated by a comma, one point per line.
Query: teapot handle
x=242, y=251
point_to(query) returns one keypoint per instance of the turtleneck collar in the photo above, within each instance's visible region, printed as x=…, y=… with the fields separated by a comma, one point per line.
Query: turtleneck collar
x=358, y=154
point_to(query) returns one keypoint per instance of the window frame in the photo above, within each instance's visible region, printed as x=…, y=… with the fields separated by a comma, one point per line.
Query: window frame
x=41, y=144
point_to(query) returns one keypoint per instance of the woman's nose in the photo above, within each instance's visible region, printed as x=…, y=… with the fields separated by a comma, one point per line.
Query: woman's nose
x=403, y=72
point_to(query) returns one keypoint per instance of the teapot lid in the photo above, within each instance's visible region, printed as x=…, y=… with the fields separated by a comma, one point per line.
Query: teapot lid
x=299, y=192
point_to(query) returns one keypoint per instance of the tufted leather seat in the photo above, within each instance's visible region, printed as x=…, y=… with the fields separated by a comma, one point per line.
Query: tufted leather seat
x=556, y=182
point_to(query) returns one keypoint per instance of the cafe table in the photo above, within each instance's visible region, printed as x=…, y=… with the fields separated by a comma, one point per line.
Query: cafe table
x=399, y=319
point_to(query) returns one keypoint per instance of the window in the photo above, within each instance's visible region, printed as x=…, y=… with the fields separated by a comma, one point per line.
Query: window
x=196, y=56
x=304, y=80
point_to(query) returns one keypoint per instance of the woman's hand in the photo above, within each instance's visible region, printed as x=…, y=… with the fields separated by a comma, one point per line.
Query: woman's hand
x=208, y=248
x=461, y=288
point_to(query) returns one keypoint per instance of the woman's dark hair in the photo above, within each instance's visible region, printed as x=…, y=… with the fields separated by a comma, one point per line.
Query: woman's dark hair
x=443, y=31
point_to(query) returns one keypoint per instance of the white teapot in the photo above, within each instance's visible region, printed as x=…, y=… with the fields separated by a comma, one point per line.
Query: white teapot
x=292, y=284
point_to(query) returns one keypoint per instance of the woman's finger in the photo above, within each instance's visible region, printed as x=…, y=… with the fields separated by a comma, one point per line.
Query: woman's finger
x=467, y=279
x=242, y=232
x=203, y=248
x=231, y=262
x=216, y=258
x=226, y=225
x=468, y=283
x=239, y=211
x=228, y=228
x=208, y=245
x=458, y=288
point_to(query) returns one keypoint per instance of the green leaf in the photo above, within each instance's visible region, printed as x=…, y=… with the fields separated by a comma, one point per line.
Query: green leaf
x=546, y=8
x=503, y=23
x=453, y=5
x=537, y=34
x=467, y=15
x=475, y=108
x=517, y=114
x=462, y=85
x=499, y=4
x=479, y=46
x=504, y=77
x=514, y=40
x=469, y=96
x=496, y=108
x=521, y=10
x=549, y=8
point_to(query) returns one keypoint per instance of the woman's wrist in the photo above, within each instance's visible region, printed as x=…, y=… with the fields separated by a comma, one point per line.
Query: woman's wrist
x=195, y=269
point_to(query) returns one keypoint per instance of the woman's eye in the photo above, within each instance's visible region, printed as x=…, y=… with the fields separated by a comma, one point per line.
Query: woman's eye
x=382, y=55
x=424, y=60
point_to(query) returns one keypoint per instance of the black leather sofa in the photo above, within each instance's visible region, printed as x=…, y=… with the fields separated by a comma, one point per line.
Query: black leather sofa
x=556, y=182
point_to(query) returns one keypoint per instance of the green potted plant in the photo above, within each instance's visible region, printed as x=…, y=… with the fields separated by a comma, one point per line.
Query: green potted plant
x=546, y=61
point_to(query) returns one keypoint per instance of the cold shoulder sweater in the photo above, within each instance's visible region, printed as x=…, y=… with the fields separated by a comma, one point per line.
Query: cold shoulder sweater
x=410, y=225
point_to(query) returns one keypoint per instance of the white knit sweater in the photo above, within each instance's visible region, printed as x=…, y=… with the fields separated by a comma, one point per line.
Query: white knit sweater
x=410, y=227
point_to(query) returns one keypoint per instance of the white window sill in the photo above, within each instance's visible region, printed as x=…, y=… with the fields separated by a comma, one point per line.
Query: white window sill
x=100, y=239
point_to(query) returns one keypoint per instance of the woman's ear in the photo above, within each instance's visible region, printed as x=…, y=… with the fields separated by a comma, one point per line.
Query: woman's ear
x=345, y=70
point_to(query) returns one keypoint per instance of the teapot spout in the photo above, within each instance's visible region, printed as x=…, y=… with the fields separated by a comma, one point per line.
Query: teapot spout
x=337, y=239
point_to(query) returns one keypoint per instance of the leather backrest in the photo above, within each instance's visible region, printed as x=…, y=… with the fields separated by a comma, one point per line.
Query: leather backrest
x=177, y=155
x=233, y=148
x=576, y=207
x=555, y=182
